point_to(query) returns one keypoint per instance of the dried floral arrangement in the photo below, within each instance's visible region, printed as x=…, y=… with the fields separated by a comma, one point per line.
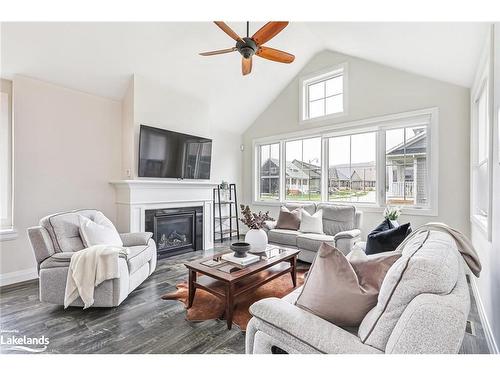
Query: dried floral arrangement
x=253, y=220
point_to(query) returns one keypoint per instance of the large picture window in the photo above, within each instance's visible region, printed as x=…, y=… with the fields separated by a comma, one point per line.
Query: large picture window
x=303, y=169
x=406, y=166
x=380, y=162
x=269, y=172
x=352, y=173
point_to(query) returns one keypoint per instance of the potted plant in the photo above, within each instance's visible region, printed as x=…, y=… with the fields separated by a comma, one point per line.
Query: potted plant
x=392, y=214
x=256, y=236
x=224, y=188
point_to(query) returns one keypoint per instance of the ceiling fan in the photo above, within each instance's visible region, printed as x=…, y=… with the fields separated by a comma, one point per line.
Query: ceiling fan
x=248, y=47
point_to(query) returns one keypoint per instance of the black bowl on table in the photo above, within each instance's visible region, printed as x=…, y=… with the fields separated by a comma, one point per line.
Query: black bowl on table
x=240, y=249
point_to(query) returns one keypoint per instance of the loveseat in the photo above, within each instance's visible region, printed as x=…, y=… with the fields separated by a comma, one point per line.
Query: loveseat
x=57, y=238
x=341, y=225
x=422, y=307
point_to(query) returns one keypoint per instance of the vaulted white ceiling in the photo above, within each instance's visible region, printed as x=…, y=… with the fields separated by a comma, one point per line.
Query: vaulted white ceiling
x=99, y=58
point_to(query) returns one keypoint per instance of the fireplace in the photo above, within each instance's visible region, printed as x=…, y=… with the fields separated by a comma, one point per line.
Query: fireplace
x=176, y=230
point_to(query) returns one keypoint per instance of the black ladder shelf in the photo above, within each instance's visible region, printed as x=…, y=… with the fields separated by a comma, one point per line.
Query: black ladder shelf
x=225, y=212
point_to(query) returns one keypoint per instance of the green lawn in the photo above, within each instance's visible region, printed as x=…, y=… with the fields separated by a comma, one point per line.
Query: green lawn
x=303, y=197
x=343, y=194
x=348, y=194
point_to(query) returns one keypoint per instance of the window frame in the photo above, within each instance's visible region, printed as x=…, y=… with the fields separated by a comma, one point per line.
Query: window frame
x=327, y=157
x=7, y=230
x=427, y=116
x=283, y=186
x=320, y=76
x=483, y=85
x=256, y=169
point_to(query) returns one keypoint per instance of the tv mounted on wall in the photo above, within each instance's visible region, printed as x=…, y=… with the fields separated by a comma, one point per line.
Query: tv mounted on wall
x=168, y=154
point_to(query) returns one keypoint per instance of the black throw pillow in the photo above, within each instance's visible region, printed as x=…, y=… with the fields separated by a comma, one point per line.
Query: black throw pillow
x=386, y=237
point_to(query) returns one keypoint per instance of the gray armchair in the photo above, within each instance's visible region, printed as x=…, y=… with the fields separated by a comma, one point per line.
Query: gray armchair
x=341, y=225
x=422, y=308
x=57, y=238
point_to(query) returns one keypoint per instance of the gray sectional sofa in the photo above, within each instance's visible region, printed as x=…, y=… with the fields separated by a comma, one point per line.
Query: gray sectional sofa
x=58, y=238
x=422, y=307
x=341, y=225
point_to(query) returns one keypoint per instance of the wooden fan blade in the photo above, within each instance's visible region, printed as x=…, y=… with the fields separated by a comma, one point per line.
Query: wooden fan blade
x=228, y=31
x=246, y=66
x=268, y=31
x=218, y=52
x=275, y=55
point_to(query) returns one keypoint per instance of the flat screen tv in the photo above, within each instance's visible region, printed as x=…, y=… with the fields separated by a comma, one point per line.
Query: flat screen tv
x=167, y=154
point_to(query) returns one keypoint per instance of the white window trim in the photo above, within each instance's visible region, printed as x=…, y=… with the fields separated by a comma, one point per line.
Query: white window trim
x=9, y=232
x=483, y=81
x=427, y=116
x=304, y=81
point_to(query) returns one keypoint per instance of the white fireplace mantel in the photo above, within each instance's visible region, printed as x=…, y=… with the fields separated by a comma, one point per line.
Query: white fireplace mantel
x=134, y=197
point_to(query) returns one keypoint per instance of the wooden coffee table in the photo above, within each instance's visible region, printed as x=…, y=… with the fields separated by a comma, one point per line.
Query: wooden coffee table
x=230, y=285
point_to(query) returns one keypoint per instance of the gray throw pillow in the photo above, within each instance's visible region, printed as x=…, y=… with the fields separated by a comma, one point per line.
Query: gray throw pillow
x=288, y=219
x=343, y=291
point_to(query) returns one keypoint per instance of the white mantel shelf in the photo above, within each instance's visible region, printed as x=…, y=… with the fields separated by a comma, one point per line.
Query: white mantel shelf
x=134, y=197
x=164, y=183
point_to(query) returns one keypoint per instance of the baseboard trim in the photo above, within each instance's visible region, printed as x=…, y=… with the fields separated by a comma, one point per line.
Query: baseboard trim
x=18, y=276
x=490, y=339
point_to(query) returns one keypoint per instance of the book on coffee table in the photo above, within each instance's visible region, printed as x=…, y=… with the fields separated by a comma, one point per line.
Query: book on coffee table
x=249, y=259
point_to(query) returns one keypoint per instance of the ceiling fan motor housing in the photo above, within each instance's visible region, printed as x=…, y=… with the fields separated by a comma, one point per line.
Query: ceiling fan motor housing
x=248, y=48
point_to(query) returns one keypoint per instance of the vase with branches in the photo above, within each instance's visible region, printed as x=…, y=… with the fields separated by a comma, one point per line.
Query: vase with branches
x=256, y=236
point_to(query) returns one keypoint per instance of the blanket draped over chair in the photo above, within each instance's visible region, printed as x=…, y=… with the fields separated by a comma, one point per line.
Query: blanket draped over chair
x=89, y=268
x=464, y=245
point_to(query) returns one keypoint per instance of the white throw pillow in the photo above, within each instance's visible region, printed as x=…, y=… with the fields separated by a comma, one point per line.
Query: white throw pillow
x=100, y=231
x=312, y=223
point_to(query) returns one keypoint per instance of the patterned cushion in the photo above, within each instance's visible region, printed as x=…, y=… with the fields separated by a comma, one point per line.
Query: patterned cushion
x=64, y=229
x=429, y=264
x=337, y=218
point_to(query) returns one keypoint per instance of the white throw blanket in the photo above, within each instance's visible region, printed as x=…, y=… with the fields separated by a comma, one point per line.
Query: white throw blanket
x=88, y=268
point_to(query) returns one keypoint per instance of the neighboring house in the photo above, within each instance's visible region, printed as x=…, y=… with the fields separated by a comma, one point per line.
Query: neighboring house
x=270, y=177
x=359, y=176
x=313, y=173
x=405, y=174
x=406, y=171
x=300, y=177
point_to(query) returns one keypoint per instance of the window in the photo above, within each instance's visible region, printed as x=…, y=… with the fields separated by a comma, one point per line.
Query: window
x=406, y=166
x=323, y=95
x=352, y=173
x=5, y=156
x=269, y=172
x=373, y=163
x=303, y=169
x=480, y=158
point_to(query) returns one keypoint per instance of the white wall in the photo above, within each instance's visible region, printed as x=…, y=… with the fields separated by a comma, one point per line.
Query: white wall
x=376, y=90
x=66, y=150
x=488, y=283
x=162, y=107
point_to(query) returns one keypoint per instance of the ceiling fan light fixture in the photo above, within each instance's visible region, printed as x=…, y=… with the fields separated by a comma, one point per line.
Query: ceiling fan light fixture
x=250, y=46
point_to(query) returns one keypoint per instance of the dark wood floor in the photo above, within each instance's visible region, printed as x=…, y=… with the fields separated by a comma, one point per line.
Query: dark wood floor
x=143, y=323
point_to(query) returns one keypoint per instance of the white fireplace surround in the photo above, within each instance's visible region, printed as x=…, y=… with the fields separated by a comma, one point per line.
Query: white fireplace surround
x=134, y=197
